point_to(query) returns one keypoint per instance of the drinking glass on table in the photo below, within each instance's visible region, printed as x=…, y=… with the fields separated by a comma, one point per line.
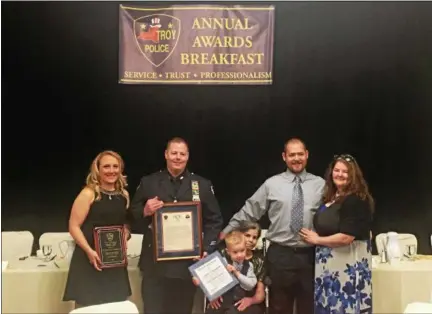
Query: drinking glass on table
x=411, y=250
x=46, y=251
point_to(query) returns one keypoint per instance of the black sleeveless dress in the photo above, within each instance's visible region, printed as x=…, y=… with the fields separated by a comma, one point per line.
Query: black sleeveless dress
x=85, y=285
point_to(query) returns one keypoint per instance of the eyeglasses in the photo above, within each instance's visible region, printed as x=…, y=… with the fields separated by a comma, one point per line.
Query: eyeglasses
x=346, y=157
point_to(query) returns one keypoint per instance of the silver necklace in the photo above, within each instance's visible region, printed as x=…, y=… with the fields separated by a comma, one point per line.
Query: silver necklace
x=109, y=193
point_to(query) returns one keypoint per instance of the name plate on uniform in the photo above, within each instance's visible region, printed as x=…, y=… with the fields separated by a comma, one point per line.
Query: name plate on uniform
x=110, y=246
x=177, y=231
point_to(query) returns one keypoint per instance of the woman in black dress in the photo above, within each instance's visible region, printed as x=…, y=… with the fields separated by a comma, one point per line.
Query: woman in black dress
x=102, y=202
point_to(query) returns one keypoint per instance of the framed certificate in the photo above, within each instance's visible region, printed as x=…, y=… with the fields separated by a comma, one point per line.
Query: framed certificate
x=214, y=278
x=177, y=231
x=110, y=246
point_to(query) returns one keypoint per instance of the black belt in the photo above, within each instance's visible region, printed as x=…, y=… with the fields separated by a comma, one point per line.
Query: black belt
x=302, y=249
x=297, y=249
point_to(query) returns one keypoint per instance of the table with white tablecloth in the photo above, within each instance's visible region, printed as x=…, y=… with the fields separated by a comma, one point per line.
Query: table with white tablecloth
x=35, y=286
x=395, y=286
x=29, y=288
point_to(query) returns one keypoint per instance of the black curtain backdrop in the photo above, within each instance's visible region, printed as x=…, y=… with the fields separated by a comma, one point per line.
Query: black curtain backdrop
x=350, y=77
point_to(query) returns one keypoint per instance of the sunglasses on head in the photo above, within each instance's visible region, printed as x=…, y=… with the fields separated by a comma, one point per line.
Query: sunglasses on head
x=346, y=157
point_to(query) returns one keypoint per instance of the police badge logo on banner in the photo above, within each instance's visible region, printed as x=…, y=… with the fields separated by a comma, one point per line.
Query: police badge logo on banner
x=156, y=36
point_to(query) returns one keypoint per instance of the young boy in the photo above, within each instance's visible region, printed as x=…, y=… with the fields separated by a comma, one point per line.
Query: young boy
x=243, y=270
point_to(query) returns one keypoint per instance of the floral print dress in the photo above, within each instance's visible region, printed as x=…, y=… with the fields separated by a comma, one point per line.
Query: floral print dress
x=343, y=275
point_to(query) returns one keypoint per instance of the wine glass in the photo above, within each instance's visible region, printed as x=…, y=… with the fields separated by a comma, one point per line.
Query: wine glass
x=46, y=251
x=411, y=251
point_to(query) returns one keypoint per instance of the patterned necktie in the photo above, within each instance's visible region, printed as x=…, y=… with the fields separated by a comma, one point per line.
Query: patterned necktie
x=297, y=206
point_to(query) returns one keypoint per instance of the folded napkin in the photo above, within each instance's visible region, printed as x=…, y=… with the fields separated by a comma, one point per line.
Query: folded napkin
x=375, y=261
x=4, y=265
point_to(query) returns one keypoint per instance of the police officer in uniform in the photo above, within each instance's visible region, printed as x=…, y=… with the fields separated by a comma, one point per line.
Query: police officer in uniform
x=167, y=286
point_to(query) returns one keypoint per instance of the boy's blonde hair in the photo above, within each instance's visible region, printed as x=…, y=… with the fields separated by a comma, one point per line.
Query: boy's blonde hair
x=234, y=237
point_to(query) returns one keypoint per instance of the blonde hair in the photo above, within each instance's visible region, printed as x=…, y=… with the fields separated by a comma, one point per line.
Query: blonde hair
x=234, y=237
x=93, y=178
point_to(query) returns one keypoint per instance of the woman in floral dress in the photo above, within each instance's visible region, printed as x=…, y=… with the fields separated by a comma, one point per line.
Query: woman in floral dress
x=343, y=259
